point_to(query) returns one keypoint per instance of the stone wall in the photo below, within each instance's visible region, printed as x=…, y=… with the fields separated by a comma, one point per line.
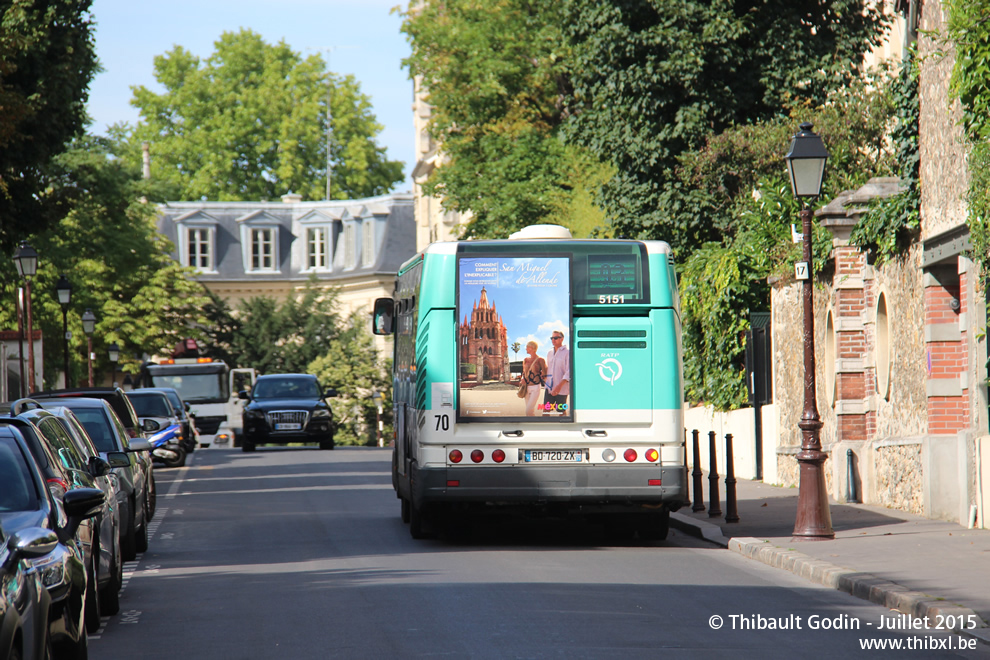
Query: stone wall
x=944, y=169
x=899, y=476
x=904, y=411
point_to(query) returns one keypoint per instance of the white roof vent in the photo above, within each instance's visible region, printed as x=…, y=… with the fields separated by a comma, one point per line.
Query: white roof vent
x=541, y=231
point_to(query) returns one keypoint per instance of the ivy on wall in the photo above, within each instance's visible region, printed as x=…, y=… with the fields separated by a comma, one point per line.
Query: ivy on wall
x=889, y=225
x=968, y=29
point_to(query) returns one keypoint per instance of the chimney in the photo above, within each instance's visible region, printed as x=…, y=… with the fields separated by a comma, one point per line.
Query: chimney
x=146, y=160
x=291, y=198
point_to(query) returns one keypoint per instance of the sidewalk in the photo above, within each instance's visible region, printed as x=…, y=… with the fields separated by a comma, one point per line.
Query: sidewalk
x=902, y=561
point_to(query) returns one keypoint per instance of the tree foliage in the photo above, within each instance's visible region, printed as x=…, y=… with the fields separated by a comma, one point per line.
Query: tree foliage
x=47, y=60
x=888, y=226
x=738, y=179
x=654, y=78
x=272, y=336
x=968, y=31
x=352, y=366
x=498, y=82
x=250, y=123
x=306, y=334
x=110, y=249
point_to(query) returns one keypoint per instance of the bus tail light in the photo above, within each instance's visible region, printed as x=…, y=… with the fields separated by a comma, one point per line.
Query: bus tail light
x=608, y=455
x=498, y=455
x=453, y=483
x=477, y=456
x=652, y=455
x=654, y=482
x=630, y=455
x=456, y=456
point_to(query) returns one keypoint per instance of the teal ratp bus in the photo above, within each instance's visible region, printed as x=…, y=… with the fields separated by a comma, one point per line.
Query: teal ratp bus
x=539, y=374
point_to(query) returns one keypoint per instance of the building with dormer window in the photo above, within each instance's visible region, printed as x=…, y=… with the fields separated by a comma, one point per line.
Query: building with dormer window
x=247, y=249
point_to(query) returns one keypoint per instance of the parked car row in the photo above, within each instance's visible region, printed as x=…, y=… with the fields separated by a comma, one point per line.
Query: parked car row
x=77, y=492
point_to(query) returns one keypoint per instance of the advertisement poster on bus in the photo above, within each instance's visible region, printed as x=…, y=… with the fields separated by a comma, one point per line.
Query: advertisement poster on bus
x=514, y=320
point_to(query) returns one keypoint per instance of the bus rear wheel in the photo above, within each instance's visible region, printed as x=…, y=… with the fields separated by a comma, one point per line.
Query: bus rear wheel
x=421, y=523
x=655, y=526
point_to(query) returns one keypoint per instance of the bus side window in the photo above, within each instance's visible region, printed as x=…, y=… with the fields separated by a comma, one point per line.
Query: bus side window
x=384, y=316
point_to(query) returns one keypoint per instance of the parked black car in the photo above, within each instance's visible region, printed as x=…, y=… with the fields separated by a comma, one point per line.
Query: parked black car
x=24, y=601
x=65, y=468
x=110, y=559
x=108, y=434
x=26, y=504
x=125, y=412
x=284, y=408
x=190, y=439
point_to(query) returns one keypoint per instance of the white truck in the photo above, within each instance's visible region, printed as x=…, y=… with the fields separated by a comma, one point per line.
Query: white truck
x=210, y=388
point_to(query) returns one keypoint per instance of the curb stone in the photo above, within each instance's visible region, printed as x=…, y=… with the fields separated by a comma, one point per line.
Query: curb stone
x=862, y=585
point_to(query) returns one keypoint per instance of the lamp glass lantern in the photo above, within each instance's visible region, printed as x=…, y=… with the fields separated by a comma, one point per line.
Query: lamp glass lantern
x=88, y=321
x=64, y=290
x=376, y=396
x=114, y=352
x=806, y=162
x=26, y=260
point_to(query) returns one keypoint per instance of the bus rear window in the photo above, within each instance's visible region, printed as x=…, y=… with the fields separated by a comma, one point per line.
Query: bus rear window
x=602, y=272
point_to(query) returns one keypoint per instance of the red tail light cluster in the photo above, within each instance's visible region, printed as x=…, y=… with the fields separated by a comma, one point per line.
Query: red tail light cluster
x=477, y=455
x=630, y=455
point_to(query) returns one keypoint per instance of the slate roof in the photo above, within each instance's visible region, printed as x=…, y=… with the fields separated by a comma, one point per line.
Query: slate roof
x=393, y=215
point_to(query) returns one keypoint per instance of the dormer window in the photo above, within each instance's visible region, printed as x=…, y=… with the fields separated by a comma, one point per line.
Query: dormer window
x=199, y=248
x=262, y=248
x=318, y=248
x=368, y=242
x=350, y=245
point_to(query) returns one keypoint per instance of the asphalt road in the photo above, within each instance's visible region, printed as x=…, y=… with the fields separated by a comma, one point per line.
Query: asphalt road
x=299, y=553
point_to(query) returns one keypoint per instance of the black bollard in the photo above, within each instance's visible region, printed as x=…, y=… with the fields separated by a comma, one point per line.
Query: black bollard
x=731, y=512
x=851, y=494
x=699, y=496
x=714, y=506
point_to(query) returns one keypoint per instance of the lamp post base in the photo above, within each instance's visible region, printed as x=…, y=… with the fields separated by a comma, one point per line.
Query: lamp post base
x=813, y=522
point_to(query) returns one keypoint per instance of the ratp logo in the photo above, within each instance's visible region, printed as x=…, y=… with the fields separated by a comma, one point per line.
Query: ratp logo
x=610, y=370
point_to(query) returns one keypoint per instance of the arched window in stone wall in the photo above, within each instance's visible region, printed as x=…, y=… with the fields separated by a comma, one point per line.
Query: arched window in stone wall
x=829, y=365
x=883, y=348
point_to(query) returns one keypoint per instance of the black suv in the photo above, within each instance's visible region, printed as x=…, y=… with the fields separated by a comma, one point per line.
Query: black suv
x=284, y=408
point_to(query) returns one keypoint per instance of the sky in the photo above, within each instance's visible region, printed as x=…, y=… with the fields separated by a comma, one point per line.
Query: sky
x=360, y=37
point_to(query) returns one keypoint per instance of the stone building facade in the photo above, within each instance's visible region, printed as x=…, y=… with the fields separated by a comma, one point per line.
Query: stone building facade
x=901, y=347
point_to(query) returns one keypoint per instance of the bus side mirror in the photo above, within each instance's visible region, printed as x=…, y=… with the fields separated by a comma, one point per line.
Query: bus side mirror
x=384, y=317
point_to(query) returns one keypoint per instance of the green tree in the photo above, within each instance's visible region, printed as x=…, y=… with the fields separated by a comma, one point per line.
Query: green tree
x=496, y=75
x=47, y=60
x=352, y=366
x=285, y=337
x=738, y=179
x=117, y=262
x=653, y=78
x=250, y=123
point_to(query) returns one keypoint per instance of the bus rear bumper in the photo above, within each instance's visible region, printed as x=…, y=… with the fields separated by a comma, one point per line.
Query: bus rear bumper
x=588, y=486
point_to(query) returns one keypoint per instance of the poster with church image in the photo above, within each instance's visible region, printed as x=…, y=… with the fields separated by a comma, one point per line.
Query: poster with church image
x=513, y=338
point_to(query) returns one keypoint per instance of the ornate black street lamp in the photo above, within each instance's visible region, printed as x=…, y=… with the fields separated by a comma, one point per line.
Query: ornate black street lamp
x=64, y=291
x=89, y=324
x=806, y=166
x=113, y=351
x=26, y=261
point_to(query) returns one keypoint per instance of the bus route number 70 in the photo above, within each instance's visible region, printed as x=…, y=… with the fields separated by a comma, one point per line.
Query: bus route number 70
x=443, y=422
